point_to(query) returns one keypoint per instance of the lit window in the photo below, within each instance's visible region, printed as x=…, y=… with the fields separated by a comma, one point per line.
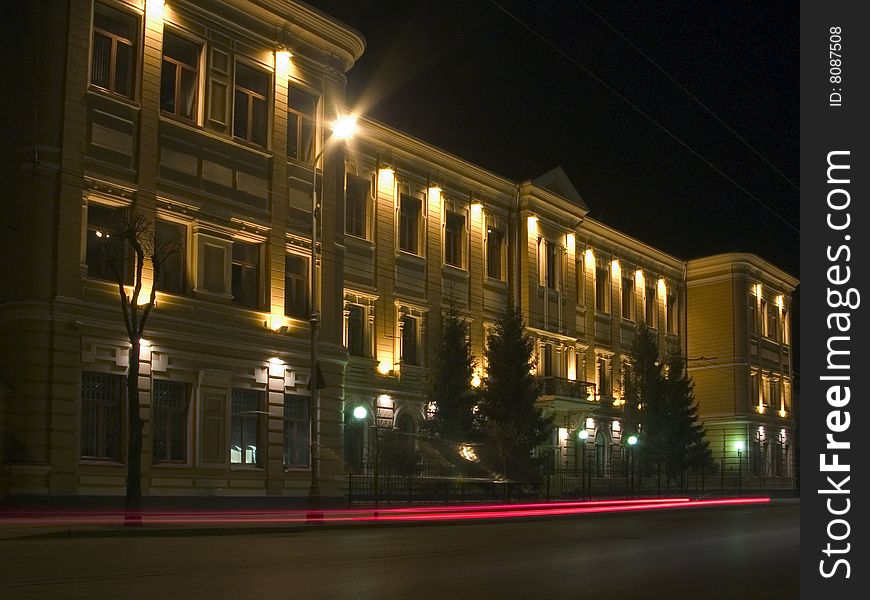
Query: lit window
x=301, y=124
x=357, y=199
x=101, y=415
x=409, y=340
x=297, y=431
x=170, y=240
x=454, y=232
x=247, y=408
x=246, y=274
x=113, y=55
x=169, y=426
x=250, y=105
x=178, y=77
x=409, y=224
x=296, y=286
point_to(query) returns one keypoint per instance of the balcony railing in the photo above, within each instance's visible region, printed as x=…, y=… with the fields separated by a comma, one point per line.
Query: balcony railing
x=561, y=386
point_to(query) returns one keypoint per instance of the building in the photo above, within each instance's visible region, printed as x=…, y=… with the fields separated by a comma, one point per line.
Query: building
x=740, y=357
x=208, y=117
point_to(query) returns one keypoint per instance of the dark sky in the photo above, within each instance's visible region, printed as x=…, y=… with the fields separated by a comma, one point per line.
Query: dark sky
x=468, y=78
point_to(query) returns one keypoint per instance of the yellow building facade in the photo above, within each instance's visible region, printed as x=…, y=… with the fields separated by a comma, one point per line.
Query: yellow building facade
x=209, y=118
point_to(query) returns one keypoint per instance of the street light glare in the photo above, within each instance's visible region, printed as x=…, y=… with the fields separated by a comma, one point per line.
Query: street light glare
x=583, y=434
x=360, y=413
x=344, y=127
x=632, y=440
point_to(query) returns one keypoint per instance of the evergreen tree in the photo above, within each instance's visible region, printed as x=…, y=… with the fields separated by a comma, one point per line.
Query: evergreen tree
x=660, y=403
x=511, y=419
x=687, y=445
x=450, y=390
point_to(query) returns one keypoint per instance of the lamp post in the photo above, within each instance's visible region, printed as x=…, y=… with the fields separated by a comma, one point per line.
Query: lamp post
x=739, y=446
x=583, y=435
x=632, y=442
x=342, y=128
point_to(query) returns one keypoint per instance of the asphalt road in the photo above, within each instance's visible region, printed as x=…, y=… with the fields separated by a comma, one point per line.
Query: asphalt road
x=708, y=553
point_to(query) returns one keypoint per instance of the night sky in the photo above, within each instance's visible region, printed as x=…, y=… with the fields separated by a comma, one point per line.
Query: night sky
x=469, y=78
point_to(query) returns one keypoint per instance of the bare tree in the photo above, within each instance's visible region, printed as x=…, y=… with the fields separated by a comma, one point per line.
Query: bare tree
x=129, y=245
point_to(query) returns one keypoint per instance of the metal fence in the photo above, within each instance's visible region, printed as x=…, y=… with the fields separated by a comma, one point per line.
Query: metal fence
x=618, y=481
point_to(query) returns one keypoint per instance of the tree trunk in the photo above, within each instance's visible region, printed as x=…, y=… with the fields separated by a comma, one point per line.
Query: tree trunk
x=133, y=504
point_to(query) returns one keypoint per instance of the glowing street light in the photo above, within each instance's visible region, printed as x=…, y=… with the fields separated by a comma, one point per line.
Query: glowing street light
x=344, y=127
x=583, y=435
x=360, y=413
x=632, y=440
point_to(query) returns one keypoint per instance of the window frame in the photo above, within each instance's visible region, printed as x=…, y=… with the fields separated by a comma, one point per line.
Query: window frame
x=252, y=96
x=180, y=253
x=185, y=422
x=103, y=421
x=135, y=49
x=301, y=118
x=603, y=288
x=454, y=240
x=415, y=360
x=297, y=423
x=244, y=417
x=236, y=301
x=410, y=227
x=650, y=310
x=494, y=231
x=179, y=66
x=628, y=313
x=363, y=349
x=366, y=202
x=304, y=279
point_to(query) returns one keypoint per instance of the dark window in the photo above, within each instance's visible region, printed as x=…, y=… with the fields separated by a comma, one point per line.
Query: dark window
x=409, y=224
x=178, y=77
x=247, y=406
x=672, y=312
x=454, y=230
x=772, y=321
x=246, y=274
x=250, y=108
x=296, y=286
x=604, y=389
x=169, y=429
x=753, y=317
x=553, y=265
x=650, y=306
x=101, y=415
x=602, y=289
x=214, y=274
x=547, y=360
x=106, y=253
x=301, y=124
x=170, y=240
x=628, y=298
x=581, y=281
x=297, y=431
x=356, y=208
x=494, y=241
x=113, y=55
x=409, y=340
x=356, y=330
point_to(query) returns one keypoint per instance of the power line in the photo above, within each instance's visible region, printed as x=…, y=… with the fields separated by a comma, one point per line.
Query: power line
x=690, y=95
x=644, y=114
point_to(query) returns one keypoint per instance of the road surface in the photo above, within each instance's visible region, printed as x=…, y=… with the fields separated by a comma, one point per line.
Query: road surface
x=724, y=552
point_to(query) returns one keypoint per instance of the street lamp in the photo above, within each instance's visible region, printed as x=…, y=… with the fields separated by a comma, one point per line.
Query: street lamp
x=631, y=441
x=740, y=446
x=360, y=413
x=342, y=129
x=583, y=435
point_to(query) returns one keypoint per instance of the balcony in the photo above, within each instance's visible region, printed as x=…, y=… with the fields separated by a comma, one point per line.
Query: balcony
x=566, y=388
